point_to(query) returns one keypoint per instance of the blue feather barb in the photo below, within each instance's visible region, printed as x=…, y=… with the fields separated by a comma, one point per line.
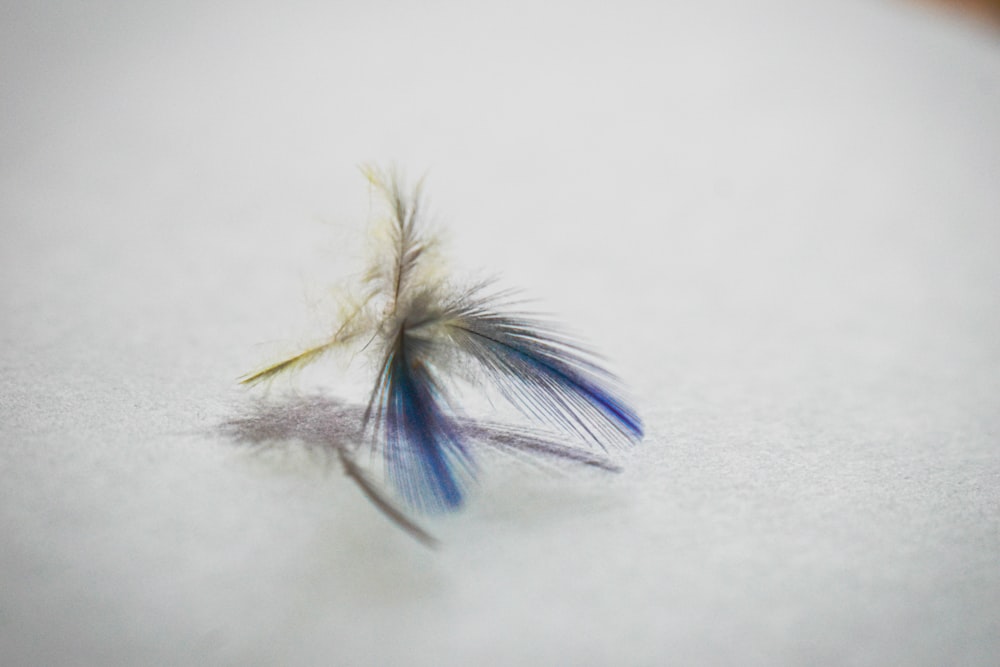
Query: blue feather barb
x=423, y=327
x=425, y=455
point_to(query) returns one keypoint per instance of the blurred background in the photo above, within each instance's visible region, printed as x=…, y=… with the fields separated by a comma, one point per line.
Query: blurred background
x=982, y=10
x=777, y=220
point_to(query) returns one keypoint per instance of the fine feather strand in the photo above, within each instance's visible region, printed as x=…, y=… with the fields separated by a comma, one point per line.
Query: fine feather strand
x=350, y=328
x=299, y=361
x=542, y=373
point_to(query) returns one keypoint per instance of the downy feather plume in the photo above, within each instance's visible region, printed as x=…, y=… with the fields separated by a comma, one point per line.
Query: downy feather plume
x=421, y=329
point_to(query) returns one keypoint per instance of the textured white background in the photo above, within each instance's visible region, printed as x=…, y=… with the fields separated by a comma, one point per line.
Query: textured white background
x=780, y=221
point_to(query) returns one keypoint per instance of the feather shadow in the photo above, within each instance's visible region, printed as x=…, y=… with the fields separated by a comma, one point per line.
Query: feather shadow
x=332, y=427
x=325, y=426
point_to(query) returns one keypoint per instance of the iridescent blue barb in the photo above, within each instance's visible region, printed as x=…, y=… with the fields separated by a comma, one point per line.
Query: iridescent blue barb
x=542, y=373
x=425, y=456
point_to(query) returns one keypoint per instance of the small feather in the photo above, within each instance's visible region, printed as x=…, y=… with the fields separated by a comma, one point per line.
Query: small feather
x=544, y=374
x=426, y=458
x=409, y=309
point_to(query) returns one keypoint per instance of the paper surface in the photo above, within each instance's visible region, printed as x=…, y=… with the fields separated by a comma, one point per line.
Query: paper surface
x=781, y=225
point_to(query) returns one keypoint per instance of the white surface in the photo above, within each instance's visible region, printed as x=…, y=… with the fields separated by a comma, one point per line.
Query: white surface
x=781, y=222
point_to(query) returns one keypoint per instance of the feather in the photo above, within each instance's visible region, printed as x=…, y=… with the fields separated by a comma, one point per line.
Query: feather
x=422, y=325
x=544, y=374
x=426, y=459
